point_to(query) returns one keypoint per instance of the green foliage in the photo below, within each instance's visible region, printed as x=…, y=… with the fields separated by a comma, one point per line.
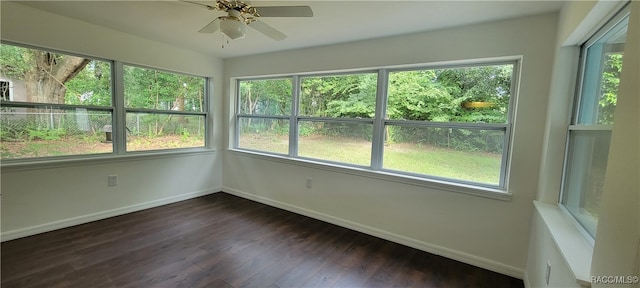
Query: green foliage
x=89, y=83
x=343, y=96
x=265, y=97
x=45, y=134
x=306, y=128
x=609, y=89
x=436, y=95
x=416, y=95
x=91, y=86
x=185, y=135
x=13, y=61
x=439, y=95
x=8, y=133
x=153, y=89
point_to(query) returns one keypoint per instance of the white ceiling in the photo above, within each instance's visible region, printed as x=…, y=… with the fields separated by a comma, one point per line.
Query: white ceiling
x=177, y=23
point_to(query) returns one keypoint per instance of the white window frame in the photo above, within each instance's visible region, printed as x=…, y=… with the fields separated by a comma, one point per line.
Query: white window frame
x=585, y=222
x=379, y=123
x=204, y=113
x=118, y=117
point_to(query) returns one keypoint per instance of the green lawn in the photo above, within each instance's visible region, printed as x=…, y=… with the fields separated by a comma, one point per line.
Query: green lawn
x=92, y=144
x=409, y=157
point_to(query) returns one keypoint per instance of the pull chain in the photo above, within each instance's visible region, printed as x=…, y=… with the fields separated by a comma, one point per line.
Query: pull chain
x=223, y=40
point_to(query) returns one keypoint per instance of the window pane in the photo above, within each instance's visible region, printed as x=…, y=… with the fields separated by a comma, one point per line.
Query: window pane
x=147, y=131
x=269, y=135
x=465, y=154
x=339, y=142
x=584, y=176
x=588, y=144
x=158, y=90
x=37, y=76
x=602, y=76
x=344, y=96
x=265, y=97
x=470, y=94
x=30, y=132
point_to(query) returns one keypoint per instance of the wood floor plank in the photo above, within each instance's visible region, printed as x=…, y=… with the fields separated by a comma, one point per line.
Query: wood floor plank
x=222, y=240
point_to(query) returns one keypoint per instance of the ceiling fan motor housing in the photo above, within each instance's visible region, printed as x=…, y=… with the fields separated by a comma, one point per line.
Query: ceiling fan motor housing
x=240, y=15
x=233, y=26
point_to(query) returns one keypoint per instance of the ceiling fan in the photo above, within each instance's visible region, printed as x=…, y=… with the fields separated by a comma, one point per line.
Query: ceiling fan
x=240, y=15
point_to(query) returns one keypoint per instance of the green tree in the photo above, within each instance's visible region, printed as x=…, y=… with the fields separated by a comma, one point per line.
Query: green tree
x=490, y=84
x=338, y=96
x=417, y=95
x=357, y=101
x=91, y=86
x=45, y=74
x=157, y=90
x=266, y=97
x=609, y=89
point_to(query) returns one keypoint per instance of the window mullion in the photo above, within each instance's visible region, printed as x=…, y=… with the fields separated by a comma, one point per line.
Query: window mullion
x=119, y=118
x=236, y=136
x=377, y=143
x=293, y=119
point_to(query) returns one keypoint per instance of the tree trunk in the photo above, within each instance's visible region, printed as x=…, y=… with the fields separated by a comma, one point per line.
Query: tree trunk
x=46, y=82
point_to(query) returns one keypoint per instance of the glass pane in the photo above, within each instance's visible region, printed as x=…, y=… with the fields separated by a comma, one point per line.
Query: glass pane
x=344, y=96
x=462, y=154
x=37, y=76
x=266, y=97
x=158, y=90
x=269, y=135
x=147, y=131
x=584, y=175
x=602, y=76
x=470, y=94
x=339, y=142
x=29, y=132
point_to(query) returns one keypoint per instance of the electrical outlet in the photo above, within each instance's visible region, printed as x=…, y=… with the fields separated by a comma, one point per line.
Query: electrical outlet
x=547, y=273
x=113, y=180
x=308, y=183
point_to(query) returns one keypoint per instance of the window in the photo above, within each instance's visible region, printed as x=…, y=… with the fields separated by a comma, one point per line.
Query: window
x=445, y=123
x=60, y=104
x=335, y=120
x=163, y=110
x=449, y=123
x=590, y=130
x=6, y=90
x=57, y=104
x=263, y=115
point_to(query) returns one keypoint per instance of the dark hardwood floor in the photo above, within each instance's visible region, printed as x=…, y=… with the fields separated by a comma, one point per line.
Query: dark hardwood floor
x=225, y=241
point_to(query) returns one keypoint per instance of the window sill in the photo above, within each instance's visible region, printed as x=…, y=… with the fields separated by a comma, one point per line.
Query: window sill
x=99, y=159
x=479, y=191
x=576, y=250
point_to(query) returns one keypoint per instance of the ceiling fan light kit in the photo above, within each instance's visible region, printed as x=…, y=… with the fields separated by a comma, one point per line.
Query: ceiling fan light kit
x=240, y=15
x=233, y=28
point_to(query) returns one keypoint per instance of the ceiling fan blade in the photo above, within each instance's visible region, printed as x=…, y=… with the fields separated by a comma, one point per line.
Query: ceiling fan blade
x=265, y=29
x=213, y=26
x=285, y=11
x=197, y=3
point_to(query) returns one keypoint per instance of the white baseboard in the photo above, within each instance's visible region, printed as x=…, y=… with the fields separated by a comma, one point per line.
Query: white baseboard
x=420, y=245
x=525, y=279
x=37, y=229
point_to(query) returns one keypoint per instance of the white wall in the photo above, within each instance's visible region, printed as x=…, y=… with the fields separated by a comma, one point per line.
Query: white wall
x=39, y=198
x=618, y=238
x=619, y=225
x=485, y=232
x=543, y=251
